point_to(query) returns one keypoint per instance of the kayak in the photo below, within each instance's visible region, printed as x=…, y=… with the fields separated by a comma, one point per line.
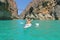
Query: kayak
x=27, y=25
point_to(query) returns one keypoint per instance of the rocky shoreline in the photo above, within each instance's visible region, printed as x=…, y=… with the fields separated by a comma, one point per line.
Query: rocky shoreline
x=42, y=10
x=8, y=10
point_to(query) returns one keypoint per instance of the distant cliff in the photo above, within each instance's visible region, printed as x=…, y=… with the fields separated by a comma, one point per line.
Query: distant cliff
x=8, y=10
x=42, y=10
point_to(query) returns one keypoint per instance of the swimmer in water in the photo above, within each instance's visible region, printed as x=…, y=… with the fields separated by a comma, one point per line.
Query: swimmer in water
x=28, y=23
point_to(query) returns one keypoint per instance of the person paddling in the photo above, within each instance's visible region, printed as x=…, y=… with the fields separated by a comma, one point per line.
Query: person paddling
x=28, y=23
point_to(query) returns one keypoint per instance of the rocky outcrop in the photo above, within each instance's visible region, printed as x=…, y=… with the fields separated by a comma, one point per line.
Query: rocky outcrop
x=8, y=10
x=42, y=10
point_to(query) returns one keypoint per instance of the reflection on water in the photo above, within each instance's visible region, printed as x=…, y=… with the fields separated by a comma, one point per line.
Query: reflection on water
x=40, y=30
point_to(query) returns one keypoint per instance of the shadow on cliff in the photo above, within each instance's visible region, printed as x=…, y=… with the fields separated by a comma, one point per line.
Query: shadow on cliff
x=6, y=10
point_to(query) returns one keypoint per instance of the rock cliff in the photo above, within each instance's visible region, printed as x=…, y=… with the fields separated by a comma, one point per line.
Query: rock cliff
x=8, y=10
x=42, y=10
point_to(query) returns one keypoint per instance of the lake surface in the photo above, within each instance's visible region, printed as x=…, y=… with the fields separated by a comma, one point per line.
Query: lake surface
x=14, y=30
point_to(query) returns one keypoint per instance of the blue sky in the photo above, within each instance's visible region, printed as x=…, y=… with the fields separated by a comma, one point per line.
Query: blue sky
x=22, y=4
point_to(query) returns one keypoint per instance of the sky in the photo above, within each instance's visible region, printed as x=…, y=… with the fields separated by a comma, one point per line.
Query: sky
x=21, y=5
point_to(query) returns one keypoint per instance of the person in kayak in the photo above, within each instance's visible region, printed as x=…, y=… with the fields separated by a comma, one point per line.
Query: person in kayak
x=28, y=23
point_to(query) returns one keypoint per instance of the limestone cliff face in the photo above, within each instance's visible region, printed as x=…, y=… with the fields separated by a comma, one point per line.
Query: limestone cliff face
x=42, y=10
x=8, y=9
x=13, y=8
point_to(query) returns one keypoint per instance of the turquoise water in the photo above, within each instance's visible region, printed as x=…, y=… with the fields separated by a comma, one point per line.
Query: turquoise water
x=14, y=30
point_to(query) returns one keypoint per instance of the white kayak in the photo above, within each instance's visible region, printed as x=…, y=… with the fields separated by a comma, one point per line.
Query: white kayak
x=27, y=25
